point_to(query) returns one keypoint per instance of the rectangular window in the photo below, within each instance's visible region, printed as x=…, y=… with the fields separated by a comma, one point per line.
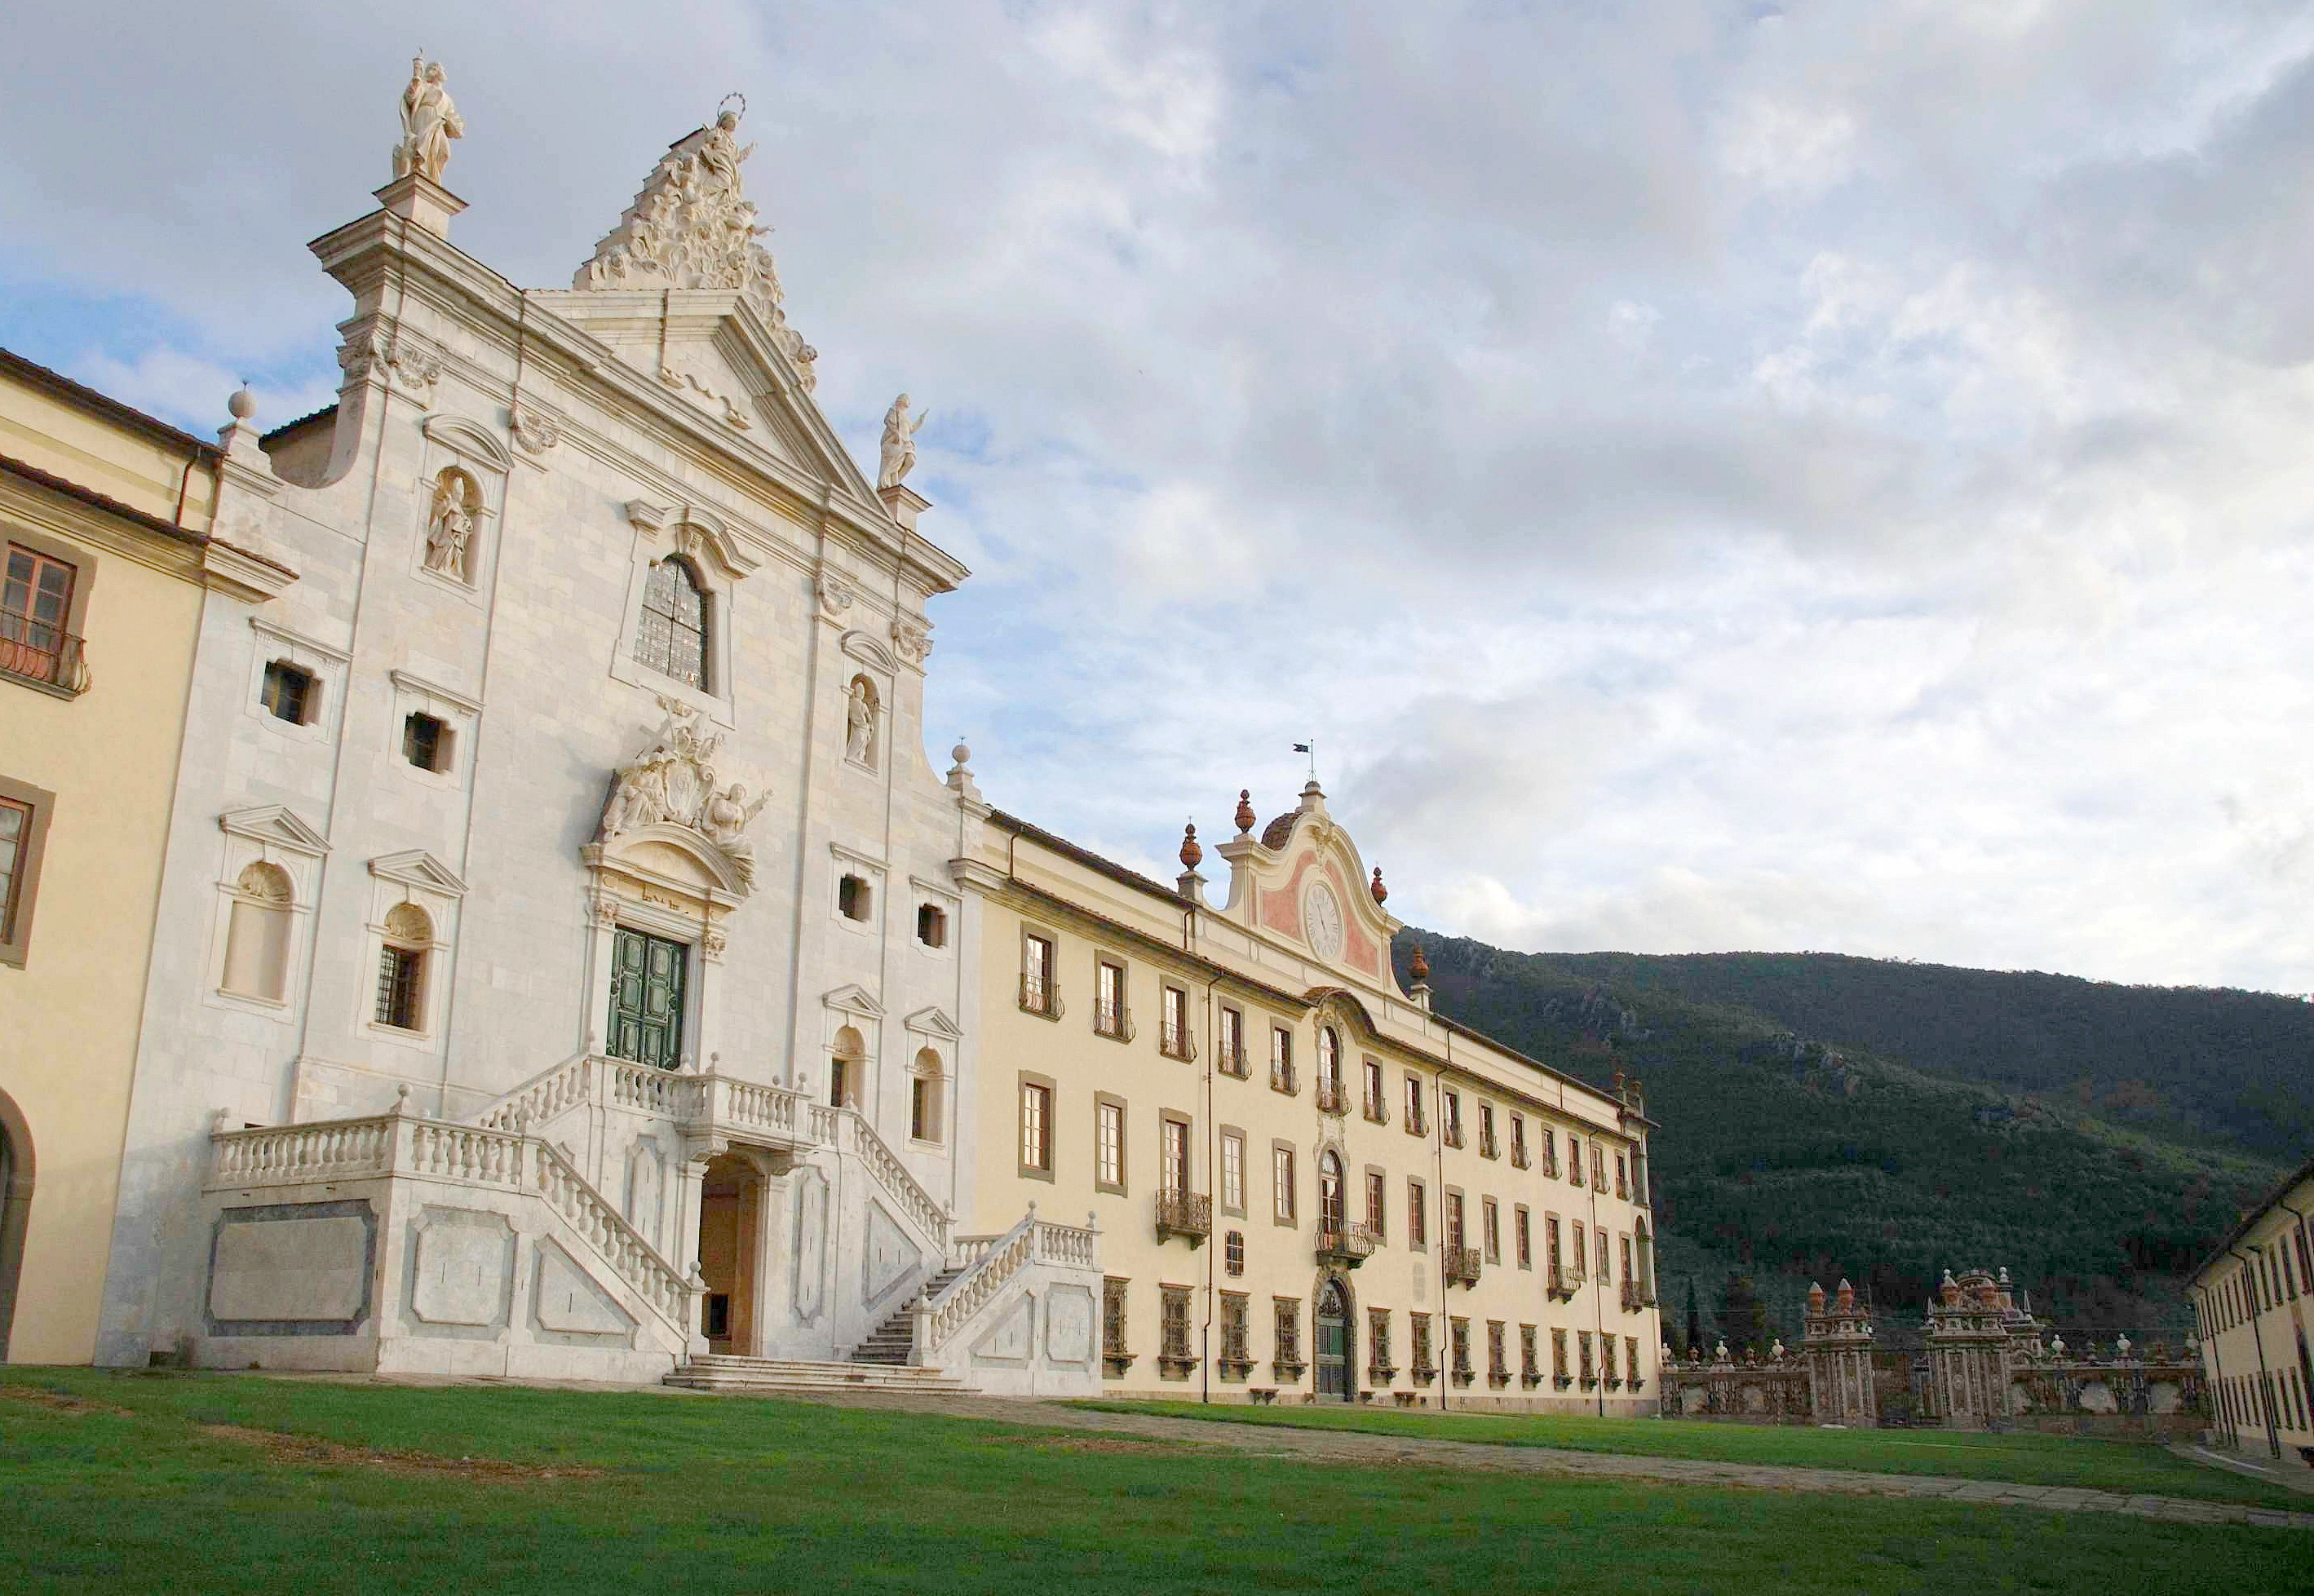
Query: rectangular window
x=1598, y=1167
x=1458, y=1332
x=1237, y=1340
x=1109, y=1016
x=287, y=693
x=426, y=742
x=1037, y=995
x=1281, y=1059
x=1174, y=1038
x=1518, y=1139
x=1109, y=1145
x=1625, y=1243
x=1377, y=1185
x=1550, y=1242
x=1112, y=1320
x=1232, y=1042
x=1528, y=1369
x=400, y=979
x=1233, y=1171
x=1378, y=1364
x=1550, y=1152
x=1583, y=1358
x=1622, y=1176
x=1498, y=1365
x=1282, y=1183
x=1035, y=1128
x=1491, y=1219
x=1376, y=1109
x=855, y=898
x=19, y=825
x=1174, y=1145
x=1574, y=1160
x=1423, y=1363
x=1559, y=1374
x=1175, y=1329
x=1521, y=1225
x=1450, y=1117
x=1605, y=1273
x=35, y=611
x=931, y=925
x=1632, y=1361
x=1415, y=1125
x=1233, y=1252
x=1417, y=1215
x=1288, y=1363
x=1486, y=1145
x=1454, y=1220
x=1581, y=1249
x=924, y=1109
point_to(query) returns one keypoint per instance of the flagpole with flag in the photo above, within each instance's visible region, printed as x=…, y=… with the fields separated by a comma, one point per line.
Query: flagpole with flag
x=1310, y=749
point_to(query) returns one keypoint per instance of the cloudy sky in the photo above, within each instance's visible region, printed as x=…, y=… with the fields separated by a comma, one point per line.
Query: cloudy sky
x=1707, y=475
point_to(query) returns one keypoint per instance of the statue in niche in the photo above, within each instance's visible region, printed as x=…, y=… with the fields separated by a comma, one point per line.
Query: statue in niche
x=450, y=525
x=899, y=450
x=860, y=723
x=429, y=121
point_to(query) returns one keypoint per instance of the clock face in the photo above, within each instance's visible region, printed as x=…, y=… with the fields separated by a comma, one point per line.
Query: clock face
x=1321, y=921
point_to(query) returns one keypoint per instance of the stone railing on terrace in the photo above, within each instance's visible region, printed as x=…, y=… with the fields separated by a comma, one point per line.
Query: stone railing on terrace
x=891, y=1174
x=402, y=1144
x=553, y=1091
x=992, y=1264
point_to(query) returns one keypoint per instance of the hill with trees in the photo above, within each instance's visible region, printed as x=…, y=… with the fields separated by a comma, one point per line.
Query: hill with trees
x=1823, y=1116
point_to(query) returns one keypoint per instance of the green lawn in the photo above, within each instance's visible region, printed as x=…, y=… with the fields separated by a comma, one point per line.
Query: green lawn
x=2031, y=1460
x=187, y=1483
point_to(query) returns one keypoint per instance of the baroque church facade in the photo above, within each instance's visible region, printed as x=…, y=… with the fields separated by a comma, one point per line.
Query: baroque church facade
x=574, y=967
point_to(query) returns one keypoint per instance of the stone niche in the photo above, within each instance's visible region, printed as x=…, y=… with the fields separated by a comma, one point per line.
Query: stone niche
x=292, y=1269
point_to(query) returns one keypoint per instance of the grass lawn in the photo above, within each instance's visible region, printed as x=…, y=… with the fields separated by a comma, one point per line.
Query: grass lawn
x=226, y=1484
x=2026, y=1458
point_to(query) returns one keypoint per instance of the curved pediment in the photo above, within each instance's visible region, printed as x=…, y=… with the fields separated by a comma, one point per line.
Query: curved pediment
x=672, y=858
x=1302, y=880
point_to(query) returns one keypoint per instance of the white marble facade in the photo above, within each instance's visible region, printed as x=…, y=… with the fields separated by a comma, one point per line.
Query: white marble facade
x=460, y=1174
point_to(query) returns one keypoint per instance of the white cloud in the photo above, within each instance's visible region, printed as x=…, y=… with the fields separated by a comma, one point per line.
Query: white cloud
x=1834, y=482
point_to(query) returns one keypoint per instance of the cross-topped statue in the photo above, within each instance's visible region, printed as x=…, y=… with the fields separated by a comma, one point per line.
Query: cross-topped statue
x=429, y=121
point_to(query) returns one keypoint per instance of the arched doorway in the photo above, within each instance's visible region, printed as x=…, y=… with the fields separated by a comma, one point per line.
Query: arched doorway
x=730, y=1237
x=15, y=1208
x=1337, y=1373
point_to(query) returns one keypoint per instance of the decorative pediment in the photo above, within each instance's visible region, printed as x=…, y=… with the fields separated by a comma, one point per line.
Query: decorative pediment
x=464, y=438
x=419, y=869
x=869, y=651
x=851, y=999
x=276, y=827
x=933, y=1022
x=1302, y=881
x=664, y=858
x=691, y=526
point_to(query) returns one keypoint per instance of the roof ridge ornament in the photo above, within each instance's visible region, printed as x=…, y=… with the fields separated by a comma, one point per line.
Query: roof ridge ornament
x=693, y=226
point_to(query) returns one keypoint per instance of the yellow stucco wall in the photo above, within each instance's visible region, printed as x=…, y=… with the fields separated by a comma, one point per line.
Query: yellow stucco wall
x=69, y=1017
x=1088, y=915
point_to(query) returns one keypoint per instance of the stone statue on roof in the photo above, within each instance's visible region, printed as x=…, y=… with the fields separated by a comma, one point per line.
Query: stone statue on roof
x=429, y=121
x=900, y=448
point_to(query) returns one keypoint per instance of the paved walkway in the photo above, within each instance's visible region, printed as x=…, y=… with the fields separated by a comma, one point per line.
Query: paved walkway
x=1347, y=1446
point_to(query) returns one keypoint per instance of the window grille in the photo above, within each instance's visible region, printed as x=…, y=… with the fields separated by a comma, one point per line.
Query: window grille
x=673, y=637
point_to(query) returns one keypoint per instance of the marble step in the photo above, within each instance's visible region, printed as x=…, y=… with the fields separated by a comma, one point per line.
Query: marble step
x=725, y=1372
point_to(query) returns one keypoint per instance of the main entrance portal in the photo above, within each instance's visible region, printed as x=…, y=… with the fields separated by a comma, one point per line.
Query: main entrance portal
x=647, y=981
x=730, y=1236
x=1336, y=1376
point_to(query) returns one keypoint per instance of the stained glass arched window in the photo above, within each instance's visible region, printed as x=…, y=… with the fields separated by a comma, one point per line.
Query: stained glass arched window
x=672, y=637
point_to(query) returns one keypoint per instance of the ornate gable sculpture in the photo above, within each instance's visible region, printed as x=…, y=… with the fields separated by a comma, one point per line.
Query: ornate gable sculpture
x=668, y=795
x=693, y=226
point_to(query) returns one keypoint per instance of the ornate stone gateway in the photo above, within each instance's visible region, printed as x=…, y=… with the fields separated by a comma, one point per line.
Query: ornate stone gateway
x=1334, y=1366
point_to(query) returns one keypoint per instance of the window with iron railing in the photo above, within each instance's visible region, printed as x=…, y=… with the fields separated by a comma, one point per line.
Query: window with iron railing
x=1110, y=1016
x=1286, y=1362
x=1425, y=1366
x=1631, y=1362
x=1173, y=1038
x=1518, y=1141
x=1281, y=1060
x=1622, y=1177
x=1230, y=1041
x=1458, y=1342
x=1530, y=1371
x=1113, y=1350
x=1378, y=1365
x=1549, y=1154
x=1583, y=1348
x=1037, y=994
x=1498, y=1367
x=1415, y=1125
x=1598, y=1168
x=1559, y=1377
x=35, y=609
x=1237, y=1349
x=1377, y=1109
x=1488, y=1147
x=1450, y=1116
x=1174, y=1355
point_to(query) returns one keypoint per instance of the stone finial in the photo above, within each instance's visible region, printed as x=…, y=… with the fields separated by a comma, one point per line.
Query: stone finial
x=1418, y=965
x=1192, y=854
x=1815, y=1297
x=1381, y=893
x=960, y=775
x=239, y=437
x=1245, y=815
x=1846, y=1301
x=402, y=1098
x=243, y=405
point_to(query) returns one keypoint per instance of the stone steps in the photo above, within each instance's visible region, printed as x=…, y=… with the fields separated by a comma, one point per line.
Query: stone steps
x=725, y=1373
x=893, y=1342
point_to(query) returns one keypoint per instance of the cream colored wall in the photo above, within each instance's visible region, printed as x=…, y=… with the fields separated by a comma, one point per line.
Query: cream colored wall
x=1279, y=1260
x=144, y=470
x=70, y=1015
x=2236, y=1345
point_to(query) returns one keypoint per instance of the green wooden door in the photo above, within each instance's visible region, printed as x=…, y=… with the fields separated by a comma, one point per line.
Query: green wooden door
x=647, y=976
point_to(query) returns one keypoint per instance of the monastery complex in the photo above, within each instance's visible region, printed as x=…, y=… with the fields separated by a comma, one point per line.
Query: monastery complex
x=477, y=845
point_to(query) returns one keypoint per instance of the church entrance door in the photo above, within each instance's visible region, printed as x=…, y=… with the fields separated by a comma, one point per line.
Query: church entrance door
x=1333, y=1368
x=647, y=986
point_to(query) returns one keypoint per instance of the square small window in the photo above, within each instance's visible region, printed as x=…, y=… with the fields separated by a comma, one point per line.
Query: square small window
x=426, y=742
x=288, y=693
x=931, y=925
x=852, y=897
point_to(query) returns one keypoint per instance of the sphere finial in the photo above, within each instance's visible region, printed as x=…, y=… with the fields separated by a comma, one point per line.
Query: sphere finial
x=243, y=405
x=1381, y=893
x=1245, y=815
x=1418, y=966
x=1192, y=853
